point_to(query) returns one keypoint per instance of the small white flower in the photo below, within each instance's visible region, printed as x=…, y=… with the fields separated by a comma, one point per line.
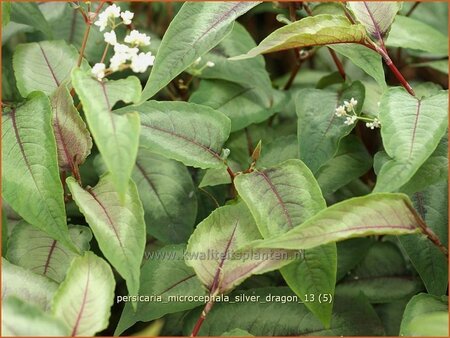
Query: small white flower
x=140, y=62
x=110, y=37
x=127, y=52
x=210, y=64
x=99, y=70
x=127, y=16
x=370, y=125
x=340, y=111
x=112, y=11
x=376, y=123
x=138, y=39
x=197, y=61
x=350, y=120
x=116, y=61
x=102, y=21
x=350, y=105
x=378, y=103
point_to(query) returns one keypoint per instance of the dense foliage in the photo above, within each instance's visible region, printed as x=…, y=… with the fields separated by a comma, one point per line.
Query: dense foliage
x=165, y=174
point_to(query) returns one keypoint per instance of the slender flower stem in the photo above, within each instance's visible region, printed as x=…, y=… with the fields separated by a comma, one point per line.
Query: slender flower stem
x=202, y=317
x=413, y=8
x=104, y=53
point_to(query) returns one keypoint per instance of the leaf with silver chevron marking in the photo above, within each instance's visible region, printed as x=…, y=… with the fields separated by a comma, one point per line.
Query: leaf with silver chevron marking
x=34, y=250
x=280, y=198
x=375, y=214
x=83, y=300
x=184, y=42
x=411, y=131
x=118, y=227
x=221, y=249
x=30, y=175
x=116, y=136
x=186, y=132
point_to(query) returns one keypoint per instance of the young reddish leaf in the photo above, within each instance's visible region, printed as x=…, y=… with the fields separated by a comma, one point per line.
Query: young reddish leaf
x=73, y=140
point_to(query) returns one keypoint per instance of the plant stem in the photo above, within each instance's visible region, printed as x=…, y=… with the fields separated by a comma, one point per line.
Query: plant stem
x=104, y=53
x=202, y=317
x=412, y=8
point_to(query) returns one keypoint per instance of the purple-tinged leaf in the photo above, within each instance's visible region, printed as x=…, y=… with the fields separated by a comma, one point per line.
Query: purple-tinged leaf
x=73, y=140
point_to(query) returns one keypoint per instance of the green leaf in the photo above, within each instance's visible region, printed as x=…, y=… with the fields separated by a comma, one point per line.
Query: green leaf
x=222, y=253
x=279, y=150
x=165, y=275
x=391, y=315
x=242, y=105
x=250, y=74
x=401, y=36
x=428, y=260
x=365, y=58
x=382, y=276
x=119, y=228
x=377, y=17
x=6, y=12
x=375, y=214
x=350, y=253
x=425, y=315
x=30, y=175
x=316, y=30
x=280, y=198
x=411, y=130
x=184, y=42
x=283, y=316
x=319, y=129
x=237, y=333
x=43, y=66
x=29, y=13
x=350, y=162
x=10, y=93
x=116, y=136
x=34, y=250
x=439, y=65
x=20, y=319
x=186, y=132
x=84, y=299
x=73, y=140
x=30, y=287
x=167, y=194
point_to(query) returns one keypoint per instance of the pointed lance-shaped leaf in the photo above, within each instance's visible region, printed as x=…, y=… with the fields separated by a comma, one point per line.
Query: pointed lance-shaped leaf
x=411, y=131
x=73, y=140
x=116, y=136
x=222, y=253
x=167, y=194
x=186, y=132
x=184, y=42
x=376, y=16
x=30, y=175
x=280, y=198
x=83, y=300
x=26, y=285
x=375, y=214
x=34, y=250
x=44, y=65
x=118, y=227
x=322, y=29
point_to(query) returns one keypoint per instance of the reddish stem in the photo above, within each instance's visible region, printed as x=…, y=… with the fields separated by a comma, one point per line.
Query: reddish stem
x=202, y=317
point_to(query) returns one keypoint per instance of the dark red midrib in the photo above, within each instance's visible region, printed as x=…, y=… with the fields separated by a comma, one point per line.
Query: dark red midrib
x=416, y=121
x=49, y=257
x=83, y=304
x=108, y=217
x=149, y=181
x=277, y=195
x=209, y=150
x=176, y=284
x=67, y=154
x=215, y=283
x=48, y=65
x=377, y=27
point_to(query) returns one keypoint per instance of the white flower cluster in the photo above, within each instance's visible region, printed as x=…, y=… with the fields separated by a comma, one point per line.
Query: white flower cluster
x=123, y=52
x=347, y=110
